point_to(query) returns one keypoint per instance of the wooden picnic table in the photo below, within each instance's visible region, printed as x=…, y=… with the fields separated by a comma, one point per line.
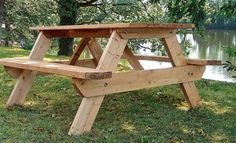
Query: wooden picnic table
x=96, y=77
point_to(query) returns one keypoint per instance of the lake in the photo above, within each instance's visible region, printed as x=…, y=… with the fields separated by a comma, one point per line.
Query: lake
x=213, y=46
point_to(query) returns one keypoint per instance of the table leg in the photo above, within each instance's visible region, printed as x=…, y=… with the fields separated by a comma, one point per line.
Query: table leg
x=95, y=50
x=177, y=59
x=132, y=59
x=25, y=80
x=89, y=107
x=78, y=51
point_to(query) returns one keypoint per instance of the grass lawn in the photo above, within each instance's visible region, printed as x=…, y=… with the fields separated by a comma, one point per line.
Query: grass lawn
x=150, y=115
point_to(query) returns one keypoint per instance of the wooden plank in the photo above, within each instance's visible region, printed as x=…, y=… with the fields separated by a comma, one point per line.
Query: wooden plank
x=174, y=51
x=191, y=93
x=188, y=61
x=85, y=115
x=89, y=107
x=177, y=59
x=13, y=72
x=22, y=87
x=145, y=33
x=140, y=79
x=61, y=69
x=79, y=49
x=153, y=58
x=95, y=50
x=115, y=26
x=112, y=52
x=203, y=62
x=25, y=80
x=132, y=59
x=101, y=33
x=87, y=63
x=40, y=47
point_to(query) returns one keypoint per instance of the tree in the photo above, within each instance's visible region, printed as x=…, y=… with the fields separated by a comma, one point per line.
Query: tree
x=229, y=10
x=68, y=11
x=8, y=21
x=192, y=11
x=19, y=15
x=151, y=11
x=1, y=10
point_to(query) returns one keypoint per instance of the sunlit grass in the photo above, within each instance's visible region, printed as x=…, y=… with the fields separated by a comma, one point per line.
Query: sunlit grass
x=149, y=115
x=128, y=126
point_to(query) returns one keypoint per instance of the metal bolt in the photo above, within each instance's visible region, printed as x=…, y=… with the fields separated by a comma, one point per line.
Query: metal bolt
x=105, y=84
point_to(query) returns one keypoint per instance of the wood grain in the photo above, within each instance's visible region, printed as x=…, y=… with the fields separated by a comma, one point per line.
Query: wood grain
x=60, y=69
x=177, y=59
x=25, y=80
x=89, y=107
x=134, y=80
x=116, y=26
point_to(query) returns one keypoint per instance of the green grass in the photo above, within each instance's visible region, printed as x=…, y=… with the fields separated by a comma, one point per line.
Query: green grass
x=150, y=115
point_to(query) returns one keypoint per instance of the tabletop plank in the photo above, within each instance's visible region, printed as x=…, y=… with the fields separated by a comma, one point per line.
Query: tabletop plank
x=115, y=26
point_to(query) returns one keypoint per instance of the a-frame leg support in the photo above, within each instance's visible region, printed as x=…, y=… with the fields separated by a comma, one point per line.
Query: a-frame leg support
x=128, y=54
x=177, y=59
x=25, y=79
x=78, y=51
x=89, y=107
x=95, y=50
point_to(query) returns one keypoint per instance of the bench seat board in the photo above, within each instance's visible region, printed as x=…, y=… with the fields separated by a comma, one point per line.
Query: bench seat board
x=55, y=68
x=189, y=61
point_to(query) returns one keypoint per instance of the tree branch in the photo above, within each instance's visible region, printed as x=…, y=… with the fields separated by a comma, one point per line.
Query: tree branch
x=104, y=11
x=145, y=7
x=99, y=4
x=85, y=4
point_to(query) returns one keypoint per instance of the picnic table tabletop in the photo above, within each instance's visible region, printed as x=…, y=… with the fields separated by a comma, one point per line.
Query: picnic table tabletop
x=115, y=26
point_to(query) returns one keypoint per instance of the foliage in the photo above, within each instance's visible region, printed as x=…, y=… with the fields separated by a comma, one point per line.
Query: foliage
x=229, y=9
x=19, y=15
x=187, y=46
x=1, y=10
x=232, y=53
x=229, y=66
x=192, y=11
x=151, y=115
x=220, y=14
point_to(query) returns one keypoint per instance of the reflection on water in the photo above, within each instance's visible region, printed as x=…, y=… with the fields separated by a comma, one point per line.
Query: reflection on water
x=212, y=46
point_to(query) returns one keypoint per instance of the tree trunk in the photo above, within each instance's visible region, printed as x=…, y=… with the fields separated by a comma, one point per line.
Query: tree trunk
x=7, y=33
x=1, y=11
x=67, y=11
x=65, y=46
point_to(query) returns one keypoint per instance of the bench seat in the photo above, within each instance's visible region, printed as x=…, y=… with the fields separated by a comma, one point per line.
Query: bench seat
x=55, y=68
